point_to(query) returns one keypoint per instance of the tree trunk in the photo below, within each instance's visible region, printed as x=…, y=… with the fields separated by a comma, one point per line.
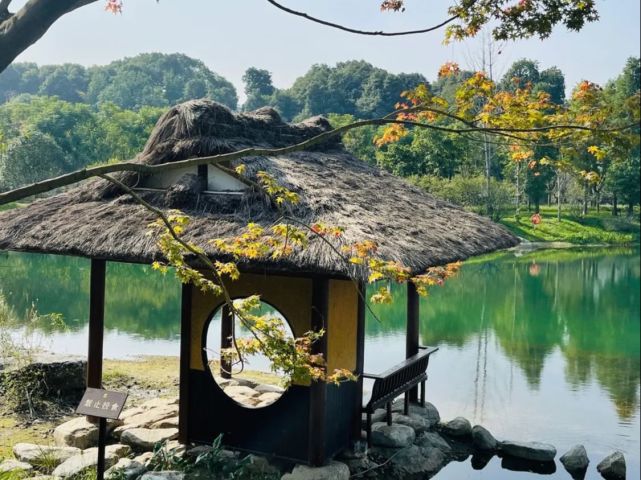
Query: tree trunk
x=630, y=208
x=585, y=200
x=615, y=206
x=518, y=190
x=558, y=196
x=22, y=29
x=537, y=206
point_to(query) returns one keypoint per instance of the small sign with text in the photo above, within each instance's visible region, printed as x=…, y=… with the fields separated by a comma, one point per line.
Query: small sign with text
x=102, y=403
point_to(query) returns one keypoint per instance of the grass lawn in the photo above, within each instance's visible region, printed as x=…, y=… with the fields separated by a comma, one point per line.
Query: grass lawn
x=594, y=228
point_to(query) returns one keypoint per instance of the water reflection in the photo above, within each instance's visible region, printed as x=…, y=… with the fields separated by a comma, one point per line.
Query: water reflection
x=544, y=346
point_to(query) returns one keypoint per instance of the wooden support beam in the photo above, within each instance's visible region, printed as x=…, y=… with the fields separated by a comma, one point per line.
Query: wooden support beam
x=96, y=323
x=185, y=357
x=226, y=333
x=412, y=336
x=360, y=360
x=318, y=390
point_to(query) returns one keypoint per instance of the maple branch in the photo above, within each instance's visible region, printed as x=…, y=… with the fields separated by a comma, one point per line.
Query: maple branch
x=131, y=166
x=357, y=31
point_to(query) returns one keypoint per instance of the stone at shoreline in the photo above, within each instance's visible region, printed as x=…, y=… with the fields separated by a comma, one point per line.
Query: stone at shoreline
x=127, y=468
x=79, y=433
x=575, y=460
x=483, y=440
x=332, y=471
x=395, y=436
x=613, y=466
x=432, y=440
x=429, y=411
x=535, y=451
x=63, y=375
x=89, y=458
x=379, y=415
x=171, y=422
x=269, y=397
x=159, y=402
x=241, y=390
x=146, y=439
x=417, y=422
x=460, y=428
x=266, y=388
x=15, y=466
x=144, y=458
x=168, y=475
x=34, y=454
x=409, y=462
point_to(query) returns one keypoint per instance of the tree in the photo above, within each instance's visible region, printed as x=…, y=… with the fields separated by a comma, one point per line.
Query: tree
x=31, y=157
x=258, y=88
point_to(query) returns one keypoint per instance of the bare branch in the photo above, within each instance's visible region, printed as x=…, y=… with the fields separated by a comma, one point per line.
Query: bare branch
x=357, y=31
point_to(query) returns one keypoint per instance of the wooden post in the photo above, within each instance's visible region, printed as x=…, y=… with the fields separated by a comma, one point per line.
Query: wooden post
x=318, y=390
x=360, y=360
x=185, y=357
x=226, y=333
x=413, y=329
x=96, y=322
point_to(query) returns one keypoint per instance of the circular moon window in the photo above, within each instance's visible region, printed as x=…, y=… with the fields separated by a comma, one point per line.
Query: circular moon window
x=252, y=383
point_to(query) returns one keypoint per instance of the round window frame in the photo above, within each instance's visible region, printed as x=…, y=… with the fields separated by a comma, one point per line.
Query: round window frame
x=205, y=359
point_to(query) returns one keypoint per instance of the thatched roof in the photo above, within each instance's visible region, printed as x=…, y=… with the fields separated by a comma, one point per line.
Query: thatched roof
x=96, y=220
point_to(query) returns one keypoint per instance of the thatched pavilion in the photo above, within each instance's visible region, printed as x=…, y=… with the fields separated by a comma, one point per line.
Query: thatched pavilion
x=312, y=289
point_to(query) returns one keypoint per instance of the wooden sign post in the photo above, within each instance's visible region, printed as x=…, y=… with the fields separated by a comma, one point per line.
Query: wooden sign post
x=102, y=404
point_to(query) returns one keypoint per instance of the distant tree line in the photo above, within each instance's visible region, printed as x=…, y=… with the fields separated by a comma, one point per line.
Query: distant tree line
x=74, y=116
x=146, y=80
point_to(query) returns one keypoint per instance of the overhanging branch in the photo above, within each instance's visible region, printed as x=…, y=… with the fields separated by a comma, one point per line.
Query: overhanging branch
x=357, y=31
x=131, y=166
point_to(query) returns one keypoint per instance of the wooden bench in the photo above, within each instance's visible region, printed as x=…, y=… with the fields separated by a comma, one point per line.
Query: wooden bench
x=397, y=380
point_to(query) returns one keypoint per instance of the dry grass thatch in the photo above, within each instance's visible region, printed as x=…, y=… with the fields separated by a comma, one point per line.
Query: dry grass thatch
x=96, y=220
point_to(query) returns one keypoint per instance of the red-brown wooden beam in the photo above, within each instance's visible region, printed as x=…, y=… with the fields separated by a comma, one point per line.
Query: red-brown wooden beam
x=96, y=322
x=412, y=336
x=185, y=356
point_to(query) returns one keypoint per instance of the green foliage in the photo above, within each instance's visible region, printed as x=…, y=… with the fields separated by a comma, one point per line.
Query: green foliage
x=470, y=192
x=47, y=136
x=594, y=228
x=350, y=88
x=150, y=79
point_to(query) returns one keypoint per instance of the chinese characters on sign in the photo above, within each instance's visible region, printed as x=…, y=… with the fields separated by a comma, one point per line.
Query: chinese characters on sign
x=102, y=403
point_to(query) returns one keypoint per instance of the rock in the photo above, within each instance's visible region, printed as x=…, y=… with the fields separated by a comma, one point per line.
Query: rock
x=225, y=382
x=171, y=422
x=432, y=440
x=429, y=412
x=483, y=440
x=241, y=390
x=331, y=471
x=152, y=415
x=270, y=397
x=259, y=467
x=416, y=422
x=146, y=439
x=15, y=466
x=266, y=388
x=575, y=460
x=459, y=428
x=35, y=454
x=130, y=412
x=159, y=402
x=379, y=415
x=79, y=433
x=127, y=468
x=409, y=462
x=395, y=436
x=144, y=458
x=613, y=466
x=535, y=451
x=89, y=458
x=168, y=475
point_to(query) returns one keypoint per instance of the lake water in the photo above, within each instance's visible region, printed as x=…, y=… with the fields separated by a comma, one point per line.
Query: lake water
x=541, y=346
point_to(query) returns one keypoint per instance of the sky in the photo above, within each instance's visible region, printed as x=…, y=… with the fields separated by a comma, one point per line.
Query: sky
x=231, y=35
